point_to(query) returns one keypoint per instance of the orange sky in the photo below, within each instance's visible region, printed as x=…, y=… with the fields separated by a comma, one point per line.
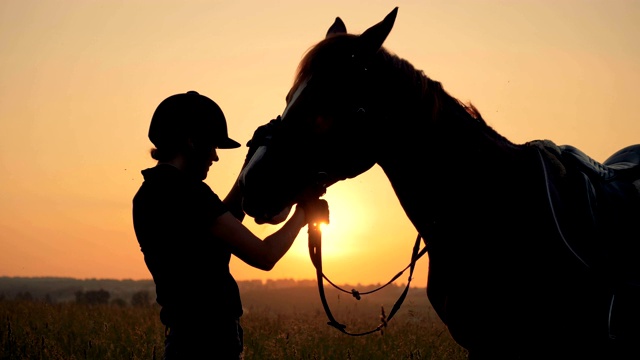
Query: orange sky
x=80, y=80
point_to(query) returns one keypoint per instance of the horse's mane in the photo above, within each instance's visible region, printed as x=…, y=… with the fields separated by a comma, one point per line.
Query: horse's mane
x=426, y=88
x=434, y=92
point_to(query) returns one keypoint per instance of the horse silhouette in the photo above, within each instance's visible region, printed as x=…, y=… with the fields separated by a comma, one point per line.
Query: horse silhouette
x=533, y=248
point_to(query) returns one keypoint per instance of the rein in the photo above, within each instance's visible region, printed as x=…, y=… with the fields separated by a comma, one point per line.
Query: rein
x=315, y=252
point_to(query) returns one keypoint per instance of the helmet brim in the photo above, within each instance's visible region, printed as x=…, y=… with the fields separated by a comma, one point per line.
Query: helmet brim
x=228, y=144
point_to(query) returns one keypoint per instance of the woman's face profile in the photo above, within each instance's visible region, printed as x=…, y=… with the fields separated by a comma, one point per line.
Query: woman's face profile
x=199, y=160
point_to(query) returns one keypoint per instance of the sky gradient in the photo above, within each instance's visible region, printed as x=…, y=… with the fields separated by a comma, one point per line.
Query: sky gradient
x=80, y=80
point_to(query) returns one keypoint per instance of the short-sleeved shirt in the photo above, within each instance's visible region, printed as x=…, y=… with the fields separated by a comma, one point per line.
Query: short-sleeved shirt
x=172, y=215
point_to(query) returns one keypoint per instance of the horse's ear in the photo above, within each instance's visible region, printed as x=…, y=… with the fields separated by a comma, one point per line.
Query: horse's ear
x=338, y=27
x=373, y=37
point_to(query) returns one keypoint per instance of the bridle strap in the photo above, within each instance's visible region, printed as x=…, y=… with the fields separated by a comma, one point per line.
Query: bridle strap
x=315, y=252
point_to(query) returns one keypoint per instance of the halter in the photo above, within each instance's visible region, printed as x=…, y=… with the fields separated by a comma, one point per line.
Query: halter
x=315, y=253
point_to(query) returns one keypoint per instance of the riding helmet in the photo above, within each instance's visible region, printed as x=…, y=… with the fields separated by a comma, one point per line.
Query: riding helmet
x=189, y=115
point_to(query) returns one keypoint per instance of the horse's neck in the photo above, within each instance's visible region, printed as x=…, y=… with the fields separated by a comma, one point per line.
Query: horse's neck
x=458, y=162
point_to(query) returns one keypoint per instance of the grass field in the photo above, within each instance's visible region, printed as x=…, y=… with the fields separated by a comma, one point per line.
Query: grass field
x=283, y=325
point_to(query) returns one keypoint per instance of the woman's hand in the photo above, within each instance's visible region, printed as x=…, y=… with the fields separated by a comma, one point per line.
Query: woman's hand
x=316, y=211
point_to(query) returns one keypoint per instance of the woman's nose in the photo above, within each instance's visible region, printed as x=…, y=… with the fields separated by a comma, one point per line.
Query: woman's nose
x=214, y=155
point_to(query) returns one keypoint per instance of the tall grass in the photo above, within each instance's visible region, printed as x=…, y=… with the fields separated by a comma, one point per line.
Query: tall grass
x=40, y=330
x=410, y=335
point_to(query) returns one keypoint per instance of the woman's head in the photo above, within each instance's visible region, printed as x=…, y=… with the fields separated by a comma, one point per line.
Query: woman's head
x=189, y=126
x=188, y=122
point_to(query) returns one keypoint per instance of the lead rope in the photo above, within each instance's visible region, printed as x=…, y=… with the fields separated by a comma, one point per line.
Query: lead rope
x=315, y=252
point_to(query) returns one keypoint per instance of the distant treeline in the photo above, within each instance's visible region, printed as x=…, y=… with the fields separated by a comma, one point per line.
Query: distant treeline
x=140, y=292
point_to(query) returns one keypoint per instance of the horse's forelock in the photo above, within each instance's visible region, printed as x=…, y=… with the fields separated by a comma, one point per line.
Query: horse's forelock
x=318, y=53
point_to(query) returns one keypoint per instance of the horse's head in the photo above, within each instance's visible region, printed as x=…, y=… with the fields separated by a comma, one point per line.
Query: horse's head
x=329, y=130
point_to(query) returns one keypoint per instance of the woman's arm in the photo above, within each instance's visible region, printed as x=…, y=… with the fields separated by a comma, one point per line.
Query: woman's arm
x=261, y=254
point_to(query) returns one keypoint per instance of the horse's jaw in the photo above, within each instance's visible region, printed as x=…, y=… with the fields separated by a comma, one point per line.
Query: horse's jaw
x=273, y=220
x=265, y=208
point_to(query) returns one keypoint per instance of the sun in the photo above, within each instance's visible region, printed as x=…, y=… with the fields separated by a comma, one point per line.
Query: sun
x=347, y=217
